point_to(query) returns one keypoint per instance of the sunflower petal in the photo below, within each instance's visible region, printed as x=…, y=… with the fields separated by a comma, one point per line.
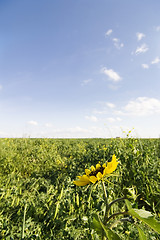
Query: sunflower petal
x=98, y=166
x=104, y=165
x=93, y=168
x=93, y=179
x=99, y=176
x=90, y=174
x=114, y=158
x=87, y=171
x=83, y=180
x=111, y=166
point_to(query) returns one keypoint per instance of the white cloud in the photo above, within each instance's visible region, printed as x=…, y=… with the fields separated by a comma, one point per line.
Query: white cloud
x=118, y=119
x=85, y=82
x=142, y=106
x=142, y=49
x=48, y=125
x=140, y=36
x=145, y=66
x=157, y=28
x=76, y=132
x=33, y=123
x=111, y=74
x=106, y=108
x=95, y=111
x=77, y=129
x=115, y=40
x=4, y=134
x=117, y=43
x=156, y=60
x=92, y=118
x=108, y=33
x=118, y=112
x=111, y=119
x=110, y=105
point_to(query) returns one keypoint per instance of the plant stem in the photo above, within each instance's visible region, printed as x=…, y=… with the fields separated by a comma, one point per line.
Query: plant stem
x=116, y=200
x=116, y=214
x=24, y=219
x=106, y=210
x=106, y=202
x=127, y=219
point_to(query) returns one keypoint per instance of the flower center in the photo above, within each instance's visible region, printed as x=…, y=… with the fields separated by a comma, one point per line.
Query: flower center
x=94, y=173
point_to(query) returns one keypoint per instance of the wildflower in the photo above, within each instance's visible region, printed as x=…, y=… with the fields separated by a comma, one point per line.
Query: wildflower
x=97, y=173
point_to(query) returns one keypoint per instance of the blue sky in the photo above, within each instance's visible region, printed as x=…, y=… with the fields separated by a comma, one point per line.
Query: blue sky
x=79, y=68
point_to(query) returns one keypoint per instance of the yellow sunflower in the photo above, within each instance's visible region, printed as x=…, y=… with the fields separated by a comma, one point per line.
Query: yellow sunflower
x=97, y=173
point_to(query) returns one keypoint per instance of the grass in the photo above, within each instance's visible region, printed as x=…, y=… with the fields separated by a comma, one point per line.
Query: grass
x=38, y=199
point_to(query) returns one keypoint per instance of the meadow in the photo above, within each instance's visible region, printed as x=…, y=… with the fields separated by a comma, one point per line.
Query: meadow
x=38, y=199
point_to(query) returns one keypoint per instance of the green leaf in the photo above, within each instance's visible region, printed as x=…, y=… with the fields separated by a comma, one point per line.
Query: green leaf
x=110, y=234
x=101, y=228
x=144, y=216
x=58, y=203
x=141, y=233
x=96, y=225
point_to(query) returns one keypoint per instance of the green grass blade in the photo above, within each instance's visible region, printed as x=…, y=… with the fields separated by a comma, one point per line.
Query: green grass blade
x=24, y=219
x=58, y=203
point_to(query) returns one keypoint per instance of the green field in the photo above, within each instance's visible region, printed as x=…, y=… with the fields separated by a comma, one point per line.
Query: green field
x=38, y=199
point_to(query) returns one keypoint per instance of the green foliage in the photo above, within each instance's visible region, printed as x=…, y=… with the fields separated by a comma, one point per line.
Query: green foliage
x=38, y=199
x=99, y=226
x=96, y=225
x=141, y=234
x=144, y=216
